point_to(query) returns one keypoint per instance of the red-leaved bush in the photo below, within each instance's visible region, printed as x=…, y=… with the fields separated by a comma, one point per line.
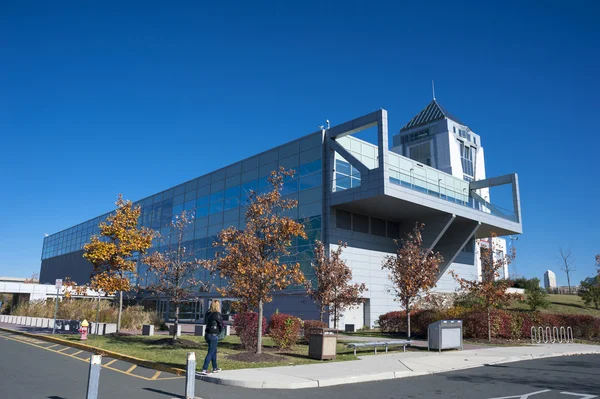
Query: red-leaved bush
x=284, y=329
x=246, y=327
x=309, y=324
x=505, y=323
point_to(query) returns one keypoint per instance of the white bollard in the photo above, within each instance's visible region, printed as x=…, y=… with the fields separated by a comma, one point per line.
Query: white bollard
x=190, y=376
x=94, y=377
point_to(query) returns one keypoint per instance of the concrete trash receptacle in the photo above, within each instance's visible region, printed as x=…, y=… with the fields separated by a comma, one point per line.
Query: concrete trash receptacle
x=322, y=343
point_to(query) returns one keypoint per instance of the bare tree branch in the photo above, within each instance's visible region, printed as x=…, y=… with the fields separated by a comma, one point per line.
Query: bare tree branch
x=568, y=264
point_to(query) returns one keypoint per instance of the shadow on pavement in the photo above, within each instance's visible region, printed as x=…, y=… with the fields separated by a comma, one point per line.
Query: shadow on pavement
x=160, y=391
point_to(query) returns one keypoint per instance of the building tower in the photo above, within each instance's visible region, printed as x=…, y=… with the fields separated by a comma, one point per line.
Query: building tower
x=437, y=138
x=549, y=279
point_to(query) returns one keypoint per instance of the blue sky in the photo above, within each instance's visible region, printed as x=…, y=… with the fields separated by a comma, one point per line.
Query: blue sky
x=98, y=98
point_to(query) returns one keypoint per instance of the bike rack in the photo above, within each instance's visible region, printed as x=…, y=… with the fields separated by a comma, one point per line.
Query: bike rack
x=552, y=335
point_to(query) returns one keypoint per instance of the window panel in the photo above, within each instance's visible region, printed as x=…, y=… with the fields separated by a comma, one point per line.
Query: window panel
x=310, y=181
x=360, y=223
x=343, y=219
x=310, y=167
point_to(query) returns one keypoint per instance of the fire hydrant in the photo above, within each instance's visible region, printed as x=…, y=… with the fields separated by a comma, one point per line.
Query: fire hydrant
x=84, y=330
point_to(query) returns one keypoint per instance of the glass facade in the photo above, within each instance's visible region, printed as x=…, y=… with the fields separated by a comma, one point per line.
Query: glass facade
x=218, y=201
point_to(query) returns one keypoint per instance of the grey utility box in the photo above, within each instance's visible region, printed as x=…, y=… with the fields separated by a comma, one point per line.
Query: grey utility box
x=445, y=334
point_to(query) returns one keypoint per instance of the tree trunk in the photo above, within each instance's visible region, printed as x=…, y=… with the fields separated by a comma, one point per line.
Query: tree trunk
x=569, y=282
x=407, y=321
x=260, y=316
x=489, y=325
x=335, y=316
x=120, y=311
x=176, y=321
x=321, y=311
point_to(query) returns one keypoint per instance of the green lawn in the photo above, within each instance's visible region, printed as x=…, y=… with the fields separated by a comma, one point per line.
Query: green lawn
x=565, y=304
x=143, y=348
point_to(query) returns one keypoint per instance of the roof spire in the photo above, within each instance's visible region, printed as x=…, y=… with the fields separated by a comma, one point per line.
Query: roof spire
x=433, y=89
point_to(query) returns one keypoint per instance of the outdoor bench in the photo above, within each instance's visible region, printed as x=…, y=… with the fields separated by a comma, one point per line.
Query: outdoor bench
x=375, y=344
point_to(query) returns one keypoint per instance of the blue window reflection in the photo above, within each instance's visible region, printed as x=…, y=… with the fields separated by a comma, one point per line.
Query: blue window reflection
x=310, y=181
x=310, y=167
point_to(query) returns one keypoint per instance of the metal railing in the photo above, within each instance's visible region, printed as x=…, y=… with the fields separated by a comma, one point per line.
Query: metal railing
x=551, y=335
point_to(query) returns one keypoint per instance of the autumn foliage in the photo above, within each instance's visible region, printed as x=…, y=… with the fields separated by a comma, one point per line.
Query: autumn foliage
x=114, y=253
x=333, y=288
x=413, y=271
x=249, y=259
x=284, y=329
x=245, y=325
x=174, y=270
x=491, y=291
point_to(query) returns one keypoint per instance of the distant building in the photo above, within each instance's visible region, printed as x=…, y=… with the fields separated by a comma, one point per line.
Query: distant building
x=549, y=279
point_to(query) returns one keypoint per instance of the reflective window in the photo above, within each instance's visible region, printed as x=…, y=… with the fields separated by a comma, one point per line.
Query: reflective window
x=216, y=197
x=232, y=192
x=231, y=203
x=202, y=201
x=310, y=181
x=310, y=167
x=216, y=208
x=343, y=219
x=360, y=223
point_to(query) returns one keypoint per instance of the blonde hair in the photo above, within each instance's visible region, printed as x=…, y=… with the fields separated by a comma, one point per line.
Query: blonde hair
x=215, y=306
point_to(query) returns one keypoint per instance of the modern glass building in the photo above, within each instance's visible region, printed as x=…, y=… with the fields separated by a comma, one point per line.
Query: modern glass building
x=347, y=190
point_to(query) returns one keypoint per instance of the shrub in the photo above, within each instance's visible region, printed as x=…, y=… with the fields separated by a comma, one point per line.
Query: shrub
x=308, y=324
x=246, y=325
x=133, y=316
x=392, y=322
x=284, y=329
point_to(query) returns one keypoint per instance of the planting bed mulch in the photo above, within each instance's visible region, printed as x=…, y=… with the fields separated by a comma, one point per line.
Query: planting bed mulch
x=251, y=357
x=176, y=344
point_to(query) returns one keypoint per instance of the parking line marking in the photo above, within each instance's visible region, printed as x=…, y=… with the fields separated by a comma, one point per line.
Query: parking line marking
x=155, y=376
x=78, y=352
x=14, y=338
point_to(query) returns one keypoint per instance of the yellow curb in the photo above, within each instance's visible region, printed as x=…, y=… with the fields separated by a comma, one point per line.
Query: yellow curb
x=103, y=352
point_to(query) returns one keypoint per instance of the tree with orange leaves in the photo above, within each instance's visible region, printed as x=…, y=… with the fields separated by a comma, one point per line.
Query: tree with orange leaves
x=333, y=288
x=175, y=269
x=491, y=291
x=114, y=253
x=413, y=271
x=250, y=258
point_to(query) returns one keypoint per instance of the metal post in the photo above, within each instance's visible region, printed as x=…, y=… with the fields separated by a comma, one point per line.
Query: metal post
x=98, y=315
x=94, y=377
x=190, y=376
x=55, y=310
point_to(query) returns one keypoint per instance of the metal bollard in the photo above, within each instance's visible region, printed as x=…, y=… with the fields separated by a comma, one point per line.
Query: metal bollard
x=190, y=375
x=94, y=377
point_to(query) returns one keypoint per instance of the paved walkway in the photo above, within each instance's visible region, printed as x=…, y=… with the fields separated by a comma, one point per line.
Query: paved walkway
x=389, y=366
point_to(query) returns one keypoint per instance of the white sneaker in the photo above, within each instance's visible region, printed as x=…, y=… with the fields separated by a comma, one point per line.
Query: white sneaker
x=203, y=372
x=217, y=370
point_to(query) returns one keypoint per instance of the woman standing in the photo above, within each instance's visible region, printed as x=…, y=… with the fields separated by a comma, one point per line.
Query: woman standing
x=214, y=325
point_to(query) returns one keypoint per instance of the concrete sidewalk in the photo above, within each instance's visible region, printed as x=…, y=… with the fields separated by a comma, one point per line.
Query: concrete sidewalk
x=389, y=366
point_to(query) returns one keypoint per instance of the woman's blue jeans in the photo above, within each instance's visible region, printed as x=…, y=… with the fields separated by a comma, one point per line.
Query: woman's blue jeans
x=212, y=341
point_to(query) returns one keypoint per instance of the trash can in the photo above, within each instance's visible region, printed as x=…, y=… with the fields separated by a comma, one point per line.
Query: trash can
x=445, y=334
x=322, y=344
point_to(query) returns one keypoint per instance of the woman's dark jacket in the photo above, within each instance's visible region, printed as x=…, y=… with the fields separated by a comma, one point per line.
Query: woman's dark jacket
x=214, y=322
